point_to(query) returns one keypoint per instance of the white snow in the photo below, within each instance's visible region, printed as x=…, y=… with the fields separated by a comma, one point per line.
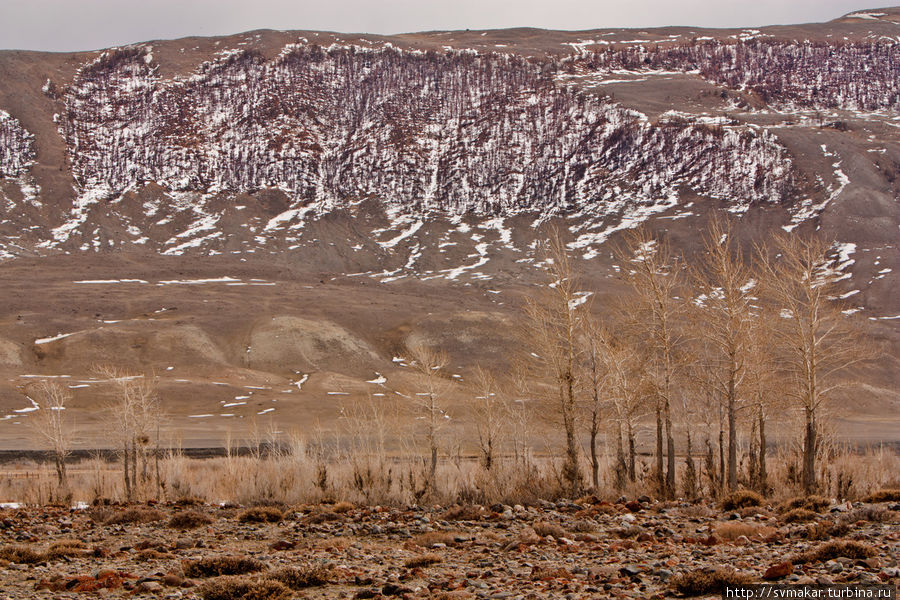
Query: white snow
x=59, y=336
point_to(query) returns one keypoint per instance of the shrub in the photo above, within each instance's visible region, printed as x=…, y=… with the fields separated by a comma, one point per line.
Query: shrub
x=463, y=512
x=711, y=581
x=875, y=514
x=66, y=548
x=814, y=503
x=298, y=578
x=21, y=554
x=742, y=499
x=733, y=530
x=221, y=565
x=190, y=519
x=261, y=514
x=836, y=549
x=322, y=517
x=543, y=529
x=584, y=526
x=422, y=561
x=343, y=507
x=134, y=515
x=798, y=515
x=243, y=588
x=884, y=496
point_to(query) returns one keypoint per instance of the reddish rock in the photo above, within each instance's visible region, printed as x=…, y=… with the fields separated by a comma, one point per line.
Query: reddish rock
x=777, y=571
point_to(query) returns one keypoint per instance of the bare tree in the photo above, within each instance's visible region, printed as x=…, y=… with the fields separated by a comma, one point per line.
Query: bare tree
x=818, y=343
x=429, y=364
x=553, y=324
x=491, y=413
x=725, y=304
x=51, y=424
x=653, y=273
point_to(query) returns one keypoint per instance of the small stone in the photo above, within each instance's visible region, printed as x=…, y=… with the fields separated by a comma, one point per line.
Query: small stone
x=834, y=566
x=149, y=586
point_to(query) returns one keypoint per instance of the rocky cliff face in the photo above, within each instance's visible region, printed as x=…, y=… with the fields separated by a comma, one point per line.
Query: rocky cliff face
x=16, y=148
x=456, y=132
x=860, y=76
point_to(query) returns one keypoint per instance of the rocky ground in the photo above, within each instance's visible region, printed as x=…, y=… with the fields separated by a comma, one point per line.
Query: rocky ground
x=583, y=549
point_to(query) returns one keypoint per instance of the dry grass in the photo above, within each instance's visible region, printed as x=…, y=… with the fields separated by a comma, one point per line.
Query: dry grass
x=289, y=479
x=874, y=514
x=190, y=519
x=732, y=530
x=836, y=549
x=544, y=528
x=813, y=503
x=243, y=588
x=884, y=496
x=742, y=499
x=298, y=578
x=696, y=583
x=261, y=514
x=214, y=566
x=418, y=562
x=322, y=516
x=799, y=515
x=66, y=549
x=21, y=554
x=463, y=512
x=134, y=515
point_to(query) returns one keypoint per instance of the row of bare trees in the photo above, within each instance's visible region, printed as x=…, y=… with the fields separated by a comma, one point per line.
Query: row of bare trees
x=743, y=335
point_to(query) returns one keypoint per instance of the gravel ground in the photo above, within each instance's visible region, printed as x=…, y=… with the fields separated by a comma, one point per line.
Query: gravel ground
x=570, y=550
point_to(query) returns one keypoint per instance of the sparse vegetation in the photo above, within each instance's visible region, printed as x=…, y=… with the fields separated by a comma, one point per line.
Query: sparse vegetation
x=709, y=581
x=835, y=549
x=884, y=496
x=798, y=515
x=418, y=562
x=261, y=514
x=813, y=503
x=742, y=499
x=243, y=588
x=189, y=519
x=298, y=578
x=213, y=566
x=134, y=515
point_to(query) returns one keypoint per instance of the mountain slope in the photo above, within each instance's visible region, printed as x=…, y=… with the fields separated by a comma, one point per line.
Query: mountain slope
x=289, y=169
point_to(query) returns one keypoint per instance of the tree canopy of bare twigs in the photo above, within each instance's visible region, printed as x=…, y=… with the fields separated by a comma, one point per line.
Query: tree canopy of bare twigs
x=817, y=343
x=52, y=424
x=654, y=275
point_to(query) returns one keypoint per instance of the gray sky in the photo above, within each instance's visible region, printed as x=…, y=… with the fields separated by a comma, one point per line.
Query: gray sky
x=66, y=25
